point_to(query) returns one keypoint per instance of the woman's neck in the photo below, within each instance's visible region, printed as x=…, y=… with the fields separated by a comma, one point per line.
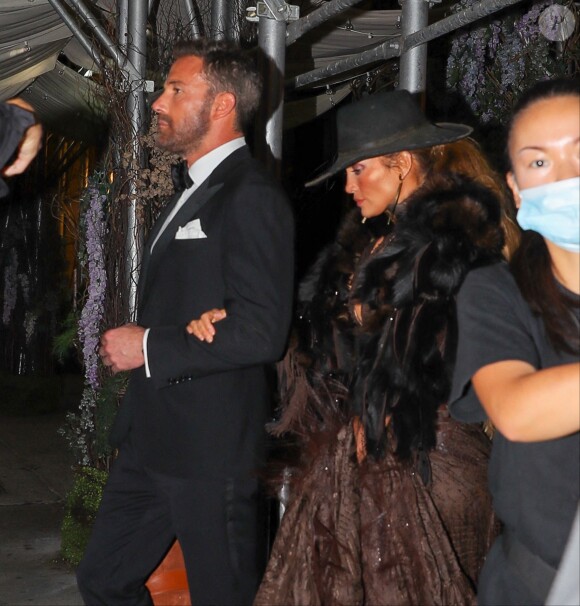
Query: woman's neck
x=566, y=266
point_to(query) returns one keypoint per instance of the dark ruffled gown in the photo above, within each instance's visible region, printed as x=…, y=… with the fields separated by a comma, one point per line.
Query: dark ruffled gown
x=412, y=522
x=373, y=533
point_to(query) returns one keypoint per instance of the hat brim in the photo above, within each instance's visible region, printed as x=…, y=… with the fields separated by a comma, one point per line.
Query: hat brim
x=421, y=137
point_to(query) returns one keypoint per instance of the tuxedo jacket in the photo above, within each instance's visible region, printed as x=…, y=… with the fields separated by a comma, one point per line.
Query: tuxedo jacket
x=203, y=410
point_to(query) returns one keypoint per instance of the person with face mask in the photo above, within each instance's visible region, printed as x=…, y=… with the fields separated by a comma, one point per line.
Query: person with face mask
x=518, y=354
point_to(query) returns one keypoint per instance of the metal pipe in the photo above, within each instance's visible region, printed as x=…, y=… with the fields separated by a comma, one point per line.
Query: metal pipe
x=136, y=109
x=391, y=49
x=220, y=19
x=192, y=19
x=77, y=32
x=122, y=23
x=316, y=17
x=137, y=30
x=120, y=59
x=413, y=62
x=272, y=41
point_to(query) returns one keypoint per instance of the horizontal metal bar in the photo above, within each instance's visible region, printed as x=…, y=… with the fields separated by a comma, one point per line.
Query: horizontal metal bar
x=456, y=21
x=393, y=48
x=320, y=15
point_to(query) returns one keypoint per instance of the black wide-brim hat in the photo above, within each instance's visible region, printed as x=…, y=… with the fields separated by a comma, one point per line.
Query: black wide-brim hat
x=385, y=123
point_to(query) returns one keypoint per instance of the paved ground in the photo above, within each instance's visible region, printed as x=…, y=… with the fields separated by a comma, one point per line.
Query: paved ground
x=35, y=475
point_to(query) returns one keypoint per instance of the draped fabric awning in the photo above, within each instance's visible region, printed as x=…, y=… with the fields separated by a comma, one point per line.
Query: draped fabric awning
x=41, y=61
x=32, y=39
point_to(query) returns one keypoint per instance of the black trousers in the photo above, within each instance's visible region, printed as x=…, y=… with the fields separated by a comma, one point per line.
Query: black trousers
x=217, y=522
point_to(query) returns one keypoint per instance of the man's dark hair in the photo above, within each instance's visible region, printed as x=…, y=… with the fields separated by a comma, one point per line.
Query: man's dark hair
x=227, y=68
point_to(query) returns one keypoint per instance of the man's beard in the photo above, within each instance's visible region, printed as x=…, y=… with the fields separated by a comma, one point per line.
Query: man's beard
x=188, y=138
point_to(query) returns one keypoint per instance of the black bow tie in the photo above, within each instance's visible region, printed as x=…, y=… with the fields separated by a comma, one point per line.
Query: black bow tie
x=180, y=176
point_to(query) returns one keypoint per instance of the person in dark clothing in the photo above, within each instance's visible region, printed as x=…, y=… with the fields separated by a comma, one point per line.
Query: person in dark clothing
x=518, y=356
x=388, y=495
x=20, y=139
x=191, y=427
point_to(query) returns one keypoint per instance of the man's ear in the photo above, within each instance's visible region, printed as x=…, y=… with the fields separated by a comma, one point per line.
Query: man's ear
x=511, y=181
x=223, y=105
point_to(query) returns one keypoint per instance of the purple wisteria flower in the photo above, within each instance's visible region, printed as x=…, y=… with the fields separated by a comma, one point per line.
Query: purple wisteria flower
x=10, y=288
x=92, y=312
x=492, y=61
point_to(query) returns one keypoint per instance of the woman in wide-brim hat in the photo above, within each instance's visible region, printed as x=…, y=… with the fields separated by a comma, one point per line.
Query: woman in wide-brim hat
x=388, y=498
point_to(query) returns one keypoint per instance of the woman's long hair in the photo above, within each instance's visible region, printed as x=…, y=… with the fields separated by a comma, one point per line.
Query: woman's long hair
x=465, y=158
x=531, y=264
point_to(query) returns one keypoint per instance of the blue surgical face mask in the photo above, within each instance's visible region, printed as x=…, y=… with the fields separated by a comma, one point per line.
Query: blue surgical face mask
x=553, y=210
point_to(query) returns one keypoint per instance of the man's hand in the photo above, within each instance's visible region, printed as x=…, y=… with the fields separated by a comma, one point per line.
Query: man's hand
x=122, y=348
x=29, y=145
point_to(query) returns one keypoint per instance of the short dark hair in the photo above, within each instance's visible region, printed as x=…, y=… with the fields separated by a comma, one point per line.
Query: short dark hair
x=227, y=68
x=543, y=90
x=547, y=89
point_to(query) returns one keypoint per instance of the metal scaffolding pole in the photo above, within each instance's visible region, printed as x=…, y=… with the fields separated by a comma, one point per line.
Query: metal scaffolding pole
x=273, y=18
x=120, y=58
x=122, y=23
x=221, y=19
x=76, y=31
x=192, y=19
x=136, y=109
x=413, y=62
x=394, y=48
x=272, y=41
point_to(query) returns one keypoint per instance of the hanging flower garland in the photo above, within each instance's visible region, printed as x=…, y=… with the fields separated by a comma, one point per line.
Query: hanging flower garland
x=80, y=429
x=10, y=287
x=493, y=62
x=92, y=312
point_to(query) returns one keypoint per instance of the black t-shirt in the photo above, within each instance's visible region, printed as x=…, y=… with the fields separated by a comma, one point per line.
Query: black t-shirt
x=535, y=486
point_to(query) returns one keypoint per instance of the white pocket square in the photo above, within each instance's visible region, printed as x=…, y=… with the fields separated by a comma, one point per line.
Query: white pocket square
x=190, y=231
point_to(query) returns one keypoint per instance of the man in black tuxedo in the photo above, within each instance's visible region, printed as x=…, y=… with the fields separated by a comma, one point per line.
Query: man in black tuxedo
x=190, y=430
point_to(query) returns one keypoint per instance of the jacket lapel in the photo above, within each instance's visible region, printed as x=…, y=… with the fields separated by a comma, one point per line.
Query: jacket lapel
x=146, y=255
x=201, y=196
x=187, y=212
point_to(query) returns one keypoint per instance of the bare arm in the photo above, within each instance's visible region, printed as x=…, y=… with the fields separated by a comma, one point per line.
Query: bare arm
x=528, y=405
x=29, y=145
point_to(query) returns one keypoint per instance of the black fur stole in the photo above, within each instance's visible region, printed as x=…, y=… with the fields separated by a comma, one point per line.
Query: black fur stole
x=398, y=364
x=410, y=288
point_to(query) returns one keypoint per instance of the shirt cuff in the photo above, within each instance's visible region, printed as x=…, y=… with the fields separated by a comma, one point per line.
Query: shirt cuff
x=145, y=335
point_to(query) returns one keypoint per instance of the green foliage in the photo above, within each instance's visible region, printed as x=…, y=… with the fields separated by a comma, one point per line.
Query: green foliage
x=87, y=431
x=108, y=399
x=67, y=339
x=81, y=508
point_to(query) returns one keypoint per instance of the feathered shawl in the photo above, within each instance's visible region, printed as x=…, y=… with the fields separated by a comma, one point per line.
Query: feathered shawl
x=398, y=364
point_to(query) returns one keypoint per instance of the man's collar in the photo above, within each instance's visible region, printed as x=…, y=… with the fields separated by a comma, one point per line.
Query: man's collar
x=201, y=169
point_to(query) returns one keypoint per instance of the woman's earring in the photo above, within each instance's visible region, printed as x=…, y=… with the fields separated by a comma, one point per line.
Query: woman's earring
x=390, y=212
